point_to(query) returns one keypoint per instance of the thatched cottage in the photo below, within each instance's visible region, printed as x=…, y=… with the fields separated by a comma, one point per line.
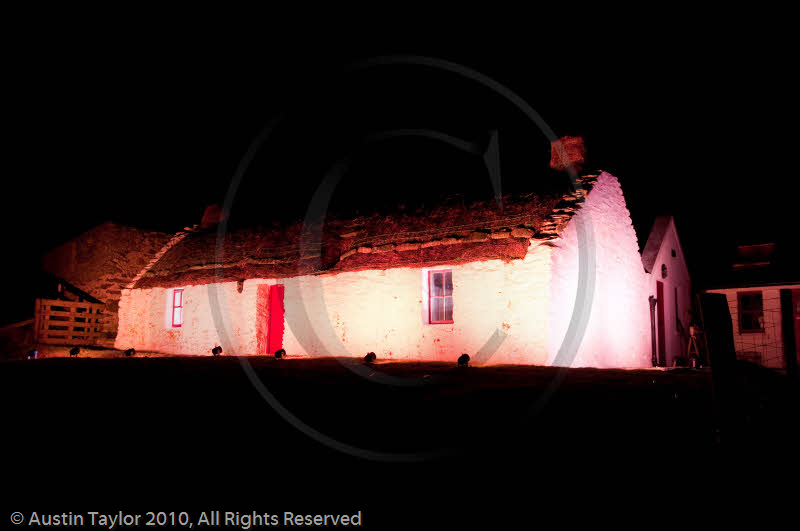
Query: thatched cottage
x=498, y=283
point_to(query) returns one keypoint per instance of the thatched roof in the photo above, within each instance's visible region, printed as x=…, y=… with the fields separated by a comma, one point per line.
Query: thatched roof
x=448, y=233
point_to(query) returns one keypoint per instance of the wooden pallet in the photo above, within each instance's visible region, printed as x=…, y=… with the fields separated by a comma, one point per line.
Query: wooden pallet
x=69, y=323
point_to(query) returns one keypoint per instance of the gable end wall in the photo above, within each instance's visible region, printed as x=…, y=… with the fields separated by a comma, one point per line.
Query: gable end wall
x=618, y=329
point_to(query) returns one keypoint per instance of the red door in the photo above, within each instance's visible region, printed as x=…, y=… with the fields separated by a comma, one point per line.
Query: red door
x=275, y=319
x=796, y=304
x=662, y=340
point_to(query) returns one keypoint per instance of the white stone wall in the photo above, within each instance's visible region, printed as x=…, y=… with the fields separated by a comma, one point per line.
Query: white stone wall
x=767, y=344
x=352, y=313
x=618, y=330
x=145, y=319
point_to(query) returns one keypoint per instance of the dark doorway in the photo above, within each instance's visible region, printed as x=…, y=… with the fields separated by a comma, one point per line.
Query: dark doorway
x=662, y=340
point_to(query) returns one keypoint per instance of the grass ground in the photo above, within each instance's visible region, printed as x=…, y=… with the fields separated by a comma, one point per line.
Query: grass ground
x=199, y=426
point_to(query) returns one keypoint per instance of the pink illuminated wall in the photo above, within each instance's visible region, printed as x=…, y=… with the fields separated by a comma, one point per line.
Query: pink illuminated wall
x=618, y=333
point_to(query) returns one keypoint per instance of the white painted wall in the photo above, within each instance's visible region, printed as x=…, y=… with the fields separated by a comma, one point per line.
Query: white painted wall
x=145, y=316
x=385, y=311
x=677, y=278
x=618, y=331
x=352, y=313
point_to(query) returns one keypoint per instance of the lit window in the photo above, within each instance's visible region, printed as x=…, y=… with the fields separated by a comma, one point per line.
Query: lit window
x=177, y=308
x=440, y=289
x=751, y=312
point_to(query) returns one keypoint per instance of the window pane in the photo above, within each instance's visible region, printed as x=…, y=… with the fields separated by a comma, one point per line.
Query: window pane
x=448, y=283
x=744, y=302
x=448, y=308
x=437, y=309
x=177, y=298
x=752, y=321
x=177, y=316
x=436, y=284
x=751, y=301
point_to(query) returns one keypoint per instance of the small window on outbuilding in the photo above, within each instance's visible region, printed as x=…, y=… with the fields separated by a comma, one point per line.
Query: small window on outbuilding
x=751, y=312
x=440, y=292
x=177, y=308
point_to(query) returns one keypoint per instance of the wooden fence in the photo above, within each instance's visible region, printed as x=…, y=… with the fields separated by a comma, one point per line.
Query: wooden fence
x=68, y=323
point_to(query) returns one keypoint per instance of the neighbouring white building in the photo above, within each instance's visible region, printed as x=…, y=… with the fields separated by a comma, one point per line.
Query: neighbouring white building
x=669, y=286
x=499, y=284
x=763, y=293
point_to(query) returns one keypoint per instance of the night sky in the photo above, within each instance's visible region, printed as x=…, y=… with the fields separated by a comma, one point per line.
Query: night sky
x=146, y=125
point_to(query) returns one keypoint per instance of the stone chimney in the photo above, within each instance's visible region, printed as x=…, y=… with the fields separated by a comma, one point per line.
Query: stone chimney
x=567, y=151
x=212, y=215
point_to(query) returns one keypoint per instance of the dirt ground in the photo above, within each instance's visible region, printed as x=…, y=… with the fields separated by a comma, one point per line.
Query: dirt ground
x=221, y=427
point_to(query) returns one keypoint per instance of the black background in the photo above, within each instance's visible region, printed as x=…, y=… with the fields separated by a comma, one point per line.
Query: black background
x=146, y=121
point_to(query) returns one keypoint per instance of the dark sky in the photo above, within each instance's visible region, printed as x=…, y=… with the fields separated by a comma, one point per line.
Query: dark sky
x=146, y=124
